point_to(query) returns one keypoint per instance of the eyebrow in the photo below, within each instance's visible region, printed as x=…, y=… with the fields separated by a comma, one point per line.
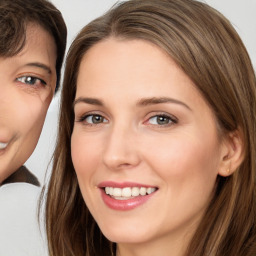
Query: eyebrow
x=39, y=65
x=160, y=100
x=91, y=101
x=141, y=102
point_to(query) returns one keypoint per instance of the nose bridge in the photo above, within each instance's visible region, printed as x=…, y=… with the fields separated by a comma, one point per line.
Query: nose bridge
x=121, y=149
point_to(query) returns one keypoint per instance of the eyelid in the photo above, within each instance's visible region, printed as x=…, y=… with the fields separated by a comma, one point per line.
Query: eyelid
x=172, y=118
x=25, y=76
x=81, y=118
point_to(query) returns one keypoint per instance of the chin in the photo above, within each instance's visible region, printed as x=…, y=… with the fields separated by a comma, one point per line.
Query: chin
x=126, y=235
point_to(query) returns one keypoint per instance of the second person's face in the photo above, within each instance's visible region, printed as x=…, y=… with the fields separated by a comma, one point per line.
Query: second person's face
x=144, y=146
x=27, y=84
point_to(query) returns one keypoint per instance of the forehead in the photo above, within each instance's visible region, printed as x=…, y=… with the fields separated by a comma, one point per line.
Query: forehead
x=133, y=62
x=39, y=48
x=37, y=38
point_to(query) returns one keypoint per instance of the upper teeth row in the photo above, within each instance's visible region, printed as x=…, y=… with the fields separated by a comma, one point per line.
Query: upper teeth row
x=128, y=191
x=3, y=145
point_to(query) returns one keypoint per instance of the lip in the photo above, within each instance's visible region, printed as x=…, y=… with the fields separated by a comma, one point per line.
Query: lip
x=122, y=184
x=127, y=204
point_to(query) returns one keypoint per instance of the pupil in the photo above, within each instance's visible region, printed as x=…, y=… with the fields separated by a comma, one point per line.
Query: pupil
x=97, y=119
x=162, y=120
x=30, y=80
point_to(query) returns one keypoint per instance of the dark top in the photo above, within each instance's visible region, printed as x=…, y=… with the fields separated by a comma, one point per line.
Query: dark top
x=22, y=175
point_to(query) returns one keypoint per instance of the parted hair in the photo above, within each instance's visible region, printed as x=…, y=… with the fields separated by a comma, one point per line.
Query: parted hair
x=15, y=15
x=207, y=48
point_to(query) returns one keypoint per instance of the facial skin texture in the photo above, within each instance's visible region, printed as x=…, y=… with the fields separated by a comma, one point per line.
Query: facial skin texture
x=180, y=158
x=27, y=84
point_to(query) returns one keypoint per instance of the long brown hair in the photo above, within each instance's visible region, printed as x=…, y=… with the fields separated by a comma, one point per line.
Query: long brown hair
x=205, y=45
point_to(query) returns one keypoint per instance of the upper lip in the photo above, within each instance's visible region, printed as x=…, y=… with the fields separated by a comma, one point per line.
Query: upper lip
x=123, y=184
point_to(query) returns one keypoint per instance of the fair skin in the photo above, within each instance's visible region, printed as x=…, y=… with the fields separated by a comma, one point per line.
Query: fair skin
x=27, y=84
x=141, y=122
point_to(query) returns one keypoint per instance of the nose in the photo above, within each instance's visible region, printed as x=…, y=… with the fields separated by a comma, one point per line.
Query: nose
x=121, y=149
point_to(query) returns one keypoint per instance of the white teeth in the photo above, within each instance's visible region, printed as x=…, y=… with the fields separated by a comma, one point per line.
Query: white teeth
x=150, y=190
x=135, y=191
x=3, y=145
x=143, y=191
x=117, y=192
x=128, y=192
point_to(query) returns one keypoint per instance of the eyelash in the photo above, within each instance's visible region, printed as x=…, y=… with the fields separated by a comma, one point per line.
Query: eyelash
x=28, y=79
x=83, y=119
x=171, y=120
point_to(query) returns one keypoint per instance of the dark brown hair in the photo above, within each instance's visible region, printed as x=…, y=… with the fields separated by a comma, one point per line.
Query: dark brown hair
x=14, y=18
x=207, y=48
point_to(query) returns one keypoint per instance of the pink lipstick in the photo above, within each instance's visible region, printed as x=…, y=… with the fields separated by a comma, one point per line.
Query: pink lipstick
x=125, y=196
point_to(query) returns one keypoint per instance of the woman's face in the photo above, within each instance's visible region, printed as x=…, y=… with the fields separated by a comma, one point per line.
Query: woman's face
x=27, y=84
x=145, y=146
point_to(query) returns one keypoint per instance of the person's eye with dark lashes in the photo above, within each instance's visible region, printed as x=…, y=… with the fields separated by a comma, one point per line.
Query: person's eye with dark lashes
x=162, y=120
x=31, y=80
x=92, y=119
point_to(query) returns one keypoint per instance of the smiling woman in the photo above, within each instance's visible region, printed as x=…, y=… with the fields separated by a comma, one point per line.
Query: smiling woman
x=156, y=146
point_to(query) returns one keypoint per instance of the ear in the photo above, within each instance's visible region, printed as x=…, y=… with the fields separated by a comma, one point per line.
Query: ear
x=232, y=153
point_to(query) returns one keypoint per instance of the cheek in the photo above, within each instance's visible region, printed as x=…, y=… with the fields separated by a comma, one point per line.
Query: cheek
x=25, y=125
x=28, y=109
x=184, y=158
x=85, y=148
x=83, y=153
x=86, y=154
x=32, y=115
x=29, y=120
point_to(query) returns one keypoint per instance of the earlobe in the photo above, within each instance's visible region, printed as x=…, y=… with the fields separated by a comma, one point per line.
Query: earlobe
x=232, y=153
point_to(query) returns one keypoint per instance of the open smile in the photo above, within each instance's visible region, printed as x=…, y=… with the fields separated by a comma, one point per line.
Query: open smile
x=128, y=192
x=125, y=196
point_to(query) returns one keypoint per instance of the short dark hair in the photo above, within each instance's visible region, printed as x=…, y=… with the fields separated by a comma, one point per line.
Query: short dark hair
x=14, y=17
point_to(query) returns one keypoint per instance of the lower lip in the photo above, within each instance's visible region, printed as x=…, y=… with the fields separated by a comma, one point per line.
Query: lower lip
x=124, y=205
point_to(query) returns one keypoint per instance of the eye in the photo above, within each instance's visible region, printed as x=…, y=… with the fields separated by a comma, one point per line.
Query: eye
x=162, y=120
x=31, y=80
x=93, y=119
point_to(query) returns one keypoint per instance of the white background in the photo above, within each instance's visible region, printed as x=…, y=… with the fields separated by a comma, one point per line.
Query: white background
x=18, y=233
